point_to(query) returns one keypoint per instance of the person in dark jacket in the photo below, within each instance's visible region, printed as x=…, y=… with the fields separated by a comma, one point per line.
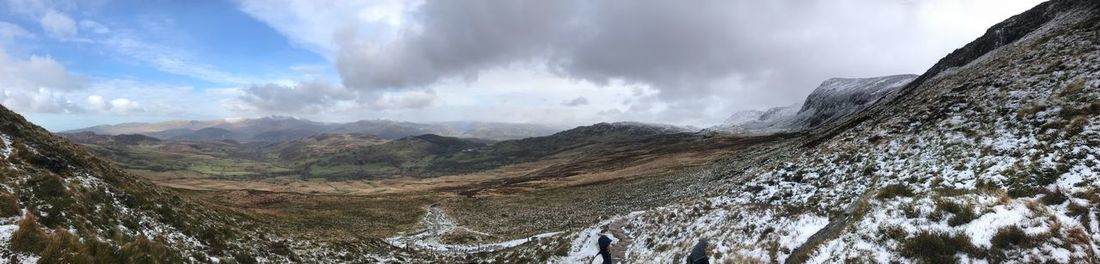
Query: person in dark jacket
x=699, y=253
x=604, y=243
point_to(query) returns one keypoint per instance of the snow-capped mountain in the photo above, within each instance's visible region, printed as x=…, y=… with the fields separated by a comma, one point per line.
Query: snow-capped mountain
x=833, y=99
x=839, y=97
x=776, y=119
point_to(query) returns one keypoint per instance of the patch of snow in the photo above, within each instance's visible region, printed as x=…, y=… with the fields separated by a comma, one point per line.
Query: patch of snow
x=6, y=150
x=981, y=230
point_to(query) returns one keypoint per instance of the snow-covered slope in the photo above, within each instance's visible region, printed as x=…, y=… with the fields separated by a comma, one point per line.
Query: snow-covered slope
x=839, y=97
x=832, y=100
x=776, y=119
x=994, y=161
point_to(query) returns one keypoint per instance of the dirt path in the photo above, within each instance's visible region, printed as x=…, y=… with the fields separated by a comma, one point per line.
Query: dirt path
x=435, y=225
x=617, y=251
x=852, y=213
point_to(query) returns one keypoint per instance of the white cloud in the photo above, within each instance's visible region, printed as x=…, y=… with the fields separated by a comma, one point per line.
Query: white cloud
x=37, y=84
x=114, y=106
x=9, y=32
x=96, y=102
x=58, y=25
x=34, y=8
x=315, y=24
x=170, y=60
x=94, y=27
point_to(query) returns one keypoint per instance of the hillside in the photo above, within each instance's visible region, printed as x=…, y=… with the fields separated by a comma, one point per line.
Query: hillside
x=60, y=205
x=993, y=161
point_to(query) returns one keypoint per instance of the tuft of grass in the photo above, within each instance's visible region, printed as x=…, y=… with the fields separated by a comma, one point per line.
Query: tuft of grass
x=1055, y=198
x=961, y=213
x=64, y=247
x=29, y=238
x=9, y=206
x=1009, y=237
x=893, y=232
x=936, y=247
x=143, y=250
x=1081, y=213
x=894, y=190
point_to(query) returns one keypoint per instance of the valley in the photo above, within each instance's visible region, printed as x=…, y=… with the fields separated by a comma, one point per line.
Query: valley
x=990, y=156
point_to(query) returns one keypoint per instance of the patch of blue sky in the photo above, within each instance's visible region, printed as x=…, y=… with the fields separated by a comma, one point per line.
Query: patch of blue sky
x=203, y=44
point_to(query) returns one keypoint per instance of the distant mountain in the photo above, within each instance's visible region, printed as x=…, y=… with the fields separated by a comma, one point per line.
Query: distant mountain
x=433, y=155
x=281, y=129
x=363, y=156
x=629, y=129
x=755, y=120
x=124, y=139
x=324, y=144
x=832, y=100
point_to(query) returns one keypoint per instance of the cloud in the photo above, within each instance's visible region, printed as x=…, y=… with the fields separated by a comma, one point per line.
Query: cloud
x=447, y=42
x=315, y=24
x=404, y=100
x=579, y=101
x=114, y=106
x=309, y=97
x=9, y=32
x=37, y=84
x=94, y=27
x=317, y=97
x=58, y=25
x=707, y=56
x=35, y=8
x=168, y=59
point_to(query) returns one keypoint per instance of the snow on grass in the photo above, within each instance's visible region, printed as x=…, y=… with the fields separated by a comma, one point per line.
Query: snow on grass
x=6, y=150
x=981, y=230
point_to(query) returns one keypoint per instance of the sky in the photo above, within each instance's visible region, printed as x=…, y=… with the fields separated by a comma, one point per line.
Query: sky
x=69, y=64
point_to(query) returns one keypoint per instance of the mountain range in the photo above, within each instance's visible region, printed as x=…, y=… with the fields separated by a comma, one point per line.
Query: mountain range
x=280, y=128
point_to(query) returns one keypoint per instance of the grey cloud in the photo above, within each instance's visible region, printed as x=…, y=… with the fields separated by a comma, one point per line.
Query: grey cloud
x=306, y=97
x=455, y=38
x=752, y=53
x=316, y=97
x=579, y=101
x=403, y=100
